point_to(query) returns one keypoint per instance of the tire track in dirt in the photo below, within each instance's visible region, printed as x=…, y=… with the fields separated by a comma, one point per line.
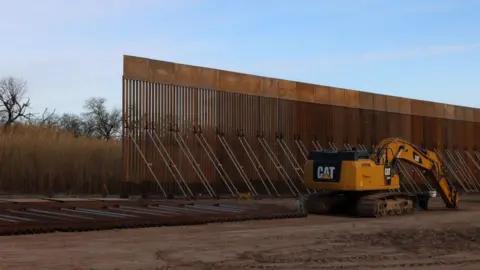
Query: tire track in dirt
x=388, y=249
x=339, y=261
x=403, y=265
x=315, y=264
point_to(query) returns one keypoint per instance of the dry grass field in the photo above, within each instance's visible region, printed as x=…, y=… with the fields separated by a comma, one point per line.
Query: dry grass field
x=40, y=160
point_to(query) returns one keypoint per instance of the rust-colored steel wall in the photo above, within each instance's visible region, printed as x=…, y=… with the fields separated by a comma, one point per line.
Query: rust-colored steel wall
x=178, y=116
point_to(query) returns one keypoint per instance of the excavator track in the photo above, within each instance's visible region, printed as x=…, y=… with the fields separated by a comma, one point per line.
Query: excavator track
x=364, y=205
x=385, y=203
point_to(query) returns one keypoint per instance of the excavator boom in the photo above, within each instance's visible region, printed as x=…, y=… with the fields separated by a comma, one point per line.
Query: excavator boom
x=392, y=150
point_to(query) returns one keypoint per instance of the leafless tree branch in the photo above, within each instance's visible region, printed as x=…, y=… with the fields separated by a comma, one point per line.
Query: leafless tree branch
x=13, y=103
x=106, y=123
x=45, y=119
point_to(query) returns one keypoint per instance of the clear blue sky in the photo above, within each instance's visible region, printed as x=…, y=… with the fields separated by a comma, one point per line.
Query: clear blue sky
x=71, y=50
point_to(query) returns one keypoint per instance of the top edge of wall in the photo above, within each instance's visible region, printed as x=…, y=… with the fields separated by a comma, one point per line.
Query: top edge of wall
x=158, y=71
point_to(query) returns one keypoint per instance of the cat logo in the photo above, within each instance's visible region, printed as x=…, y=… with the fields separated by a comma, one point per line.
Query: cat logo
x=417, y=158
x=325, y=172
x=388, y=171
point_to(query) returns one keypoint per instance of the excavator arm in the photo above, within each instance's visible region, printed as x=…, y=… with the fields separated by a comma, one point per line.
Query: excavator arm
x=392, y=150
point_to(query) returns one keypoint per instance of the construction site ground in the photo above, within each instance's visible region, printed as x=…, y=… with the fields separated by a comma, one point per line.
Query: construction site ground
x=438, y=239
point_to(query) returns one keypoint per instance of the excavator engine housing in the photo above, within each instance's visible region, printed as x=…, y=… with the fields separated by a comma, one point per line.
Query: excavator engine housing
x=347, y=170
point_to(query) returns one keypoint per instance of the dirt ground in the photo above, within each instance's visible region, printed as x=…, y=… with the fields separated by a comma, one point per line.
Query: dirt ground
x=425, y=240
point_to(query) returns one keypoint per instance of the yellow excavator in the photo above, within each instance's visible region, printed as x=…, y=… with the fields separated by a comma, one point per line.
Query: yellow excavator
x=358, y=183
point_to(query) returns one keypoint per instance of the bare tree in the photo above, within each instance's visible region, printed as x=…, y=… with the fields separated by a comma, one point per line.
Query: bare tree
x=13, y=103
x=75, y=124
x=107, y=123
x=89, y=127
x=47, y=118
x=72, y=123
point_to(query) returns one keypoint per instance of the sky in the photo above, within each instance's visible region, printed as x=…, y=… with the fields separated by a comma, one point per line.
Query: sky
x=70, y=50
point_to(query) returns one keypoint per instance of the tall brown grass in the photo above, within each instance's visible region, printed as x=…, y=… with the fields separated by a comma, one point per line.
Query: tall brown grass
x=42, y=160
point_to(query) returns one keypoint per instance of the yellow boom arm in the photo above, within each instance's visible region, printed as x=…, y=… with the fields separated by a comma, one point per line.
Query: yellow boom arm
x=389, y=151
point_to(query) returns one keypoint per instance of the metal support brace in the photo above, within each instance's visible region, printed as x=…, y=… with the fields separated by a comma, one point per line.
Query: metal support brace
x=458, y=168
x=347, y=146
x=332, y=146
x=468, y=171
x=448, y=169
x=316, y=144
x=301, y=147
x=191, y=159
x=362, y=147
x=462, y=170
x=236, y=163
x=291, y=158
x=278, y=165
x=425, y=180
x=451, y=170
x=256, y=163
x=171, y=166
x=148, y=164
x=477, y=154
x=475, y=163
x=409, y=179
x=197, y=131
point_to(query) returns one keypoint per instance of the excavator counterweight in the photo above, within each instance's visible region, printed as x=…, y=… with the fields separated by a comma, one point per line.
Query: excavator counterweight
x=363, y=184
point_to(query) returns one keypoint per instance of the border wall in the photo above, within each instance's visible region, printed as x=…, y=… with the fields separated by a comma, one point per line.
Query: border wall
x=192, y=130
